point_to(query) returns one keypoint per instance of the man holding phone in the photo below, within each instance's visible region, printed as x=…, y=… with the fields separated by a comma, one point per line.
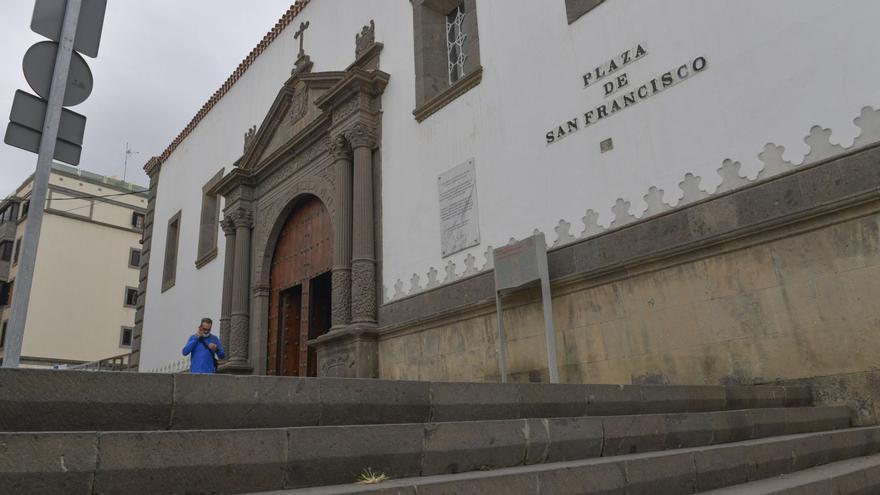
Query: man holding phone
x=205, y=349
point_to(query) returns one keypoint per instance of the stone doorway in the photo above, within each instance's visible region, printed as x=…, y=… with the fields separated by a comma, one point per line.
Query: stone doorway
x=314, y=161
x=300, y=289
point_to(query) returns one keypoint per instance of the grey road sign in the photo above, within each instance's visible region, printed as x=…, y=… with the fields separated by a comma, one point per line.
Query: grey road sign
x=39, y=65
x=30, y=111
x=29, y=140
x=49, y=16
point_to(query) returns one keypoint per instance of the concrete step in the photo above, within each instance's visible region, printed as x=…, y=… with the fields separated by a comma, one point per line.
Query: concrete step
x=236, y=461
x=45, y=400
x=859, y=476
x=672, y=472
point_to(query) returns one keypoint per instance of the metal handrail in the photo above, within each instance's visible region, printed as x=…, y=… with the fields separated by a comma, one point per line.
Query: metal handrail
x=113, y=363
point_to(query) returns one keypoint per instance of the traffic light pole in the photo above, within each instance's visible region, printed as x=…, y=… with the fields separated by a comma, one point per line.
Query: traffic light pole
x=39, y=189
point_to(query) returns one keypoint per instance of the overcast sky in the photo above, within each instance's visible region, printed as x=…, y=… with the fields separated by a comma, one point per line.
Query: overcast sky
x=159, y=62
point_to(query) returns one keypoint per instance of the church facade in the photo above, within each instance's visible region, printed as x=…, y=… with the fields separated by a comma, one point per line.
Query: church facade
x=702, y=173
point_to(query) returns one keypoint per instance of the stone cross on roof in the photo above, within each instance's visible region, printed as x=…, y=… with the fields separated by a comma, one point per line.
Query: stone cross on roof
x=300, y=34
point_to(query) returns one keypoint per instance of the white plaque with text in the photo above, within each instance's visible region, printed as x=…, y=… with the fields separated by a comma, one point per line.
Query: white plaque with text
x=459, y=224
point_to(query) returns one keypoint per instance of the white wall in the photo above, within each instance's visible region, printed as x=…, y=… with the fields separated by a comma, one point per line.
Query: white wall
x=775, y=69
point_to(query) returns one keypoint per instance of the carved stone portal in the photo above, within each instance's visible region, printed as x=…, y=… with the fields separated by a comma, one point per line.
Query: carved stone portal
x=328, y=157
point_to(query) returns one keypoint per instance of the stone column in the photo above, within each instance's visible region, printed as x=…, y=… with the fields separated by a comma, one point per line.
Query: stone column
x=228, y=226
x=239, y=335
x=363, y=261
x=259, y=328
x=341, y=304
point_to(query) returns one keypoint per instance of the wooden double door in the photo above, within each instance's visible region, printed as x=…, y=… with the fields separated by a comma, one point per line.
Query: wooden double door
x=301, y=288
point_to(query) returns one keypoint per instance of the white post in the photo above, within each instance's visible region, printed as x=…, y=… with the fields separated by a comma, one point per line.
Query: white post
x=501, y=343
x=549, y=329
x=28, y=254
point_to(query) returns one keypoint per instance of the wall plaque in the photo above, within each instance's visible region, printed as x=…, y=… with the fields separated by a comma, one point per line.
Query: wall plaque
x=459, y=223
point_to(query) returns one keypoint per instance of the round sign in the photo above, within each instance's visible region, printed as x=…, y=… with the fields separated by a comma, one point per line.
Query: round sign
x=39, y=64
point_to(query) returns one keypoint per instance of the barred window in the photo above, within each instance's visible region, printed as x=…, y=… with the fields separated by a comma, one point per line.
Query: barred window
x=455, y=38
x=447, y=52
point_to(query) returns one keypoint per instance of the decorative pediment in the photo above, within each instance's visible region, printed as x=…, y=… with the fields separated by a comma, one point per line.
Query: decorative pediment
x=292, y=112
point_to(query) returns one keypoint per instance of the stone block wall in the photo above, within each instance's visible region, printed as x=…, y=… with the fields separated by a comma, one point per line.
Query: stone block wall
x=733, y=289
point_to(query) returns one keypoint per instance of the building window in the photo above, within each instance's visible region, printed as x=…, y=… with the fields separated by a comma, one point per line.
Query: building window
x=17, y=251
x=134, y=258
x=447, y=52
x=24, y=209
x=209, y=222
x=455, y=43
x=125, y=336
x=137, y=220
x=8, y=214
x=131, y=297
x=5, y=250
x=574, y=9
x=3, y=334
x=5, y=291
x=169, y=267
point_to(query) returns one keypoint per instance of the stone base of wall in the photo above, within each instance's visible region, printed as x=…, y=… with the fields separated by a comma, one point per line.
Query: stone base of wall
x=776, y=281
x=350, y=352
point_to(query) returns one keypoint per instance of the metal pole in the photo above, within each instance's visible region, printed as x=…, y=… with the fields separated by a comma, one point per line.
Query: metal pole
x=502, y=340
x=552, y=365
x=28, y=254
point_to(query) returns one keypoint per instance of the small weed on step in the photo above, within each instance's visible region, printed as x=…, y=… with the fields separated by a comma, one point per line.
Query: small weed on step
x=370, y=477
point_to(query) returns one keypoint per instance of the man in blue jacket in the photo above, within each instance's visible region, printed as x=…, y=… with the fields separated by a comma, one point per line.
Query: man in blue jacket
x=203, y=346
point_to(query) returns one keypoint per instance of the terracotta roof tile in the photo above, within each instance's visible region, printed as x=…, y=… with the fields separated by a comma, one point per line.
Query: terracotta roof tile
x=239, y=71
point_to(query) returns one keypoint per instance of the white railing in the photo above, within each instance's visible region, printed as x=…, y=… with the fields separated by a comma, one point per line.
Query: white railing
x=178, y=366
x=115, y=363
x=121, y=363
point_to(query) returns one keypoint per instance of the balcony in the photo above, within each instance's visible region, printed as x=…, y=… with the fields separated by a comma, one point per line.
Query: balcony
x=7, y=231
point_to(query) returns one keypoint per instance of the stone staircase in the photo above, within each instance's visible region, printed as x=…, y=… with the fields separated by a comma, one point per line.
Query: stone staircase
x=70, y=432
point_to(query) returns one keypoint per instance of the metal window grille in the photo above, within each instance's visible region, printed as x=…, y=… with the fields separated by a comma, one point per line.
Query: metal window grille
x=455, y=39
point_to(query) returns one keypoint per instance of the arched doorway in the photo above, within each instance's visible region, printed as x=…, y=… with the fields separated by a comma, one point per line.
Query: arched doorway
x=299, y=303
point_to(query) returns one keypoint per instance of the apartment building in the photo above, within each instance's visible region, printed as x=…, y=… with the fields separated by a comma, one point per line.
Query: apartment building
x=84, y=293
